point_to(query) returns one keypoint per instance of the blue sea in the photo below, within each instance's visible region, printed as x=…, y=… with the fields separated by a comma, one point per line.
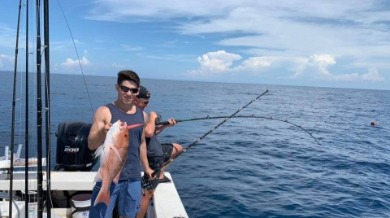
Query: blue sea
x=249, y=167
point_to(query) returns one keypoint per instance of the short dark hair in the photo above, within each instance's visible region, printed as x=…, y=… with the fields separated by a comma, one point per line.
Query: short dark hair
x=128, y=75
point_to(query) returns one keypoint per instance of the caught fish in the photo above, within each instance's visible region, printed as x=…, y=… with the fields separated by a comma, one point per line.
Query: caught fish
x=113, y=154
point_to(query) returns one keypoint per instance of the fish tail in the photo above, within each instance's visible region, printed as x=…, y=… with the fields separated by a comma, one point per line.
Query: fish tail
x=102, y=197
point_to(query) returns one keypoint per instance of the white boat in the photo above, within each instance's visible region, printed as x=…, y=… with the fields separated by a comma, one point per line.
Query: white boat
x=69, y=187
x=166, y=202
x=65, y=191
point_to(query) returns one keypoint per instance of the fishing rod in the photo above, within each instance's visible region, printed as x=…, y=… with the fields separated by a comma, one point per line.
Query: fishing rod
x=241, y=116
x=47, y=104
x=11, y=173
x=211, y=130
x=27, y=105
x=39, y=112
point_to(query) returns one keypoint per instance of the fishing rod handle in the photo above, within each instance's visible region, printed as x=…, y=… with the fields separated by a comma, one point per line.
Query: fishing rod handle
x=158, y=122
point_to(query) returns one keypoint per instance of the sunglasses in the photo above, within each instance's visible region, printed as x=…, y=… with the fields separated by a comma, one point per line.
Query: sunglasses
x=145, y=102
x=126, y=89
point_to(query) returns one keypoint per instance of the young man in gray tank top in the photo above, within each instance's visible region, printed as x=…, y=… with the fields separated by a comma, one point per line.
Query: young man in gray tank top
x=126, y=194
x=157, y=153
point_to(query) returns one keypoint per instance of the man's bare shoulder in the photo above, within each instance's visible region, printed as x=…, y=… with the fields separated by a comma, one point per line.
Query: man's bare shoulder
x=103, y=109
x=103, y=113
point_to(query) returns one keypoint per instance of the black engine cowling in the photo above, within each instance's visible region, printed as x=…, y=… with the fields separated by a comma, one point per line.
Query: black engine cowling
x=72, y=152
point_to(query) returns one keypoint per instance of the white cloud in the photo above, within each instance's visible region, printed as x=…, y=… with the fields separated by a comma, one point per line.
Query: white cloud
x=314, y=67
x=256, y=63
x=304, y=38
x=221, y=62
x=295, y=29
x=372, y=75
x=73, y=63
x=321, y=62
x=76, y=63
x=216, y=62
x=320, y=40
x=6, y=61
x=115, y=10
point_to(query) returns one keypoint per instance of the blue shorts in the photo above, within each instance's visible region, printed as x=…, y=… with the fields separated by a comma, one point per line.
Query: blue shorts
x=126, y=195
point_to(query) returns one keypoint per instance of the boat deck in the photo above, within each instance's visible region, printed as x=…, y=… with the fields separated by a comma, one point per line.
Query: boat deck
x=166, y=202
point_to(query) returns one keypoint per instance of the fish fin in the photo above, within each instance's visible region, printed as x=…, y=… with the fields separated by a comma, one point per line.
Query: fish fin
x=134, y=126
x=99, y=151
x=116, y=152
x=98, y=177
x=116, y=178
x=102, y=197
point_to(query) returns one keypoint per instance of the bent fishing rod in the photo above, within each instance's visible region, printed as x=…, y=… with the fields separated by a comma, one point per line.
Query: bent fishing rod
x=211, y=130
x=242, y=116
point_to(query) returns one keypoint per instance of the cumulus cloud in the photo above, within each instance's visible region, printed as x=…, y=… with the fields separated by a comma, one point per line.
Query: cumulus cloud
x=216, y=62
x=222, y=62
x=299, y=39
x=256, y=63
x=322, y=62
x=317, y=66
x=76, y=63
x=72, y=63
x=305, y=38
x=372, y=75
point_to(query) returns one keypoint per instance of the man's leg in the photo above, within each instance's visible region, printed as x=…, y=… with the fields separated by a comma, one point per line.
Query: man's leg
x=177, y=149
x=129, y=199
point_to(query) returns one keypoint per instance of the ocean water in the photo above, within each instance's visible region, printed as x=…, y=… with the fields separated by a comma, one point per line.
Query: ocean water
x=250, y=167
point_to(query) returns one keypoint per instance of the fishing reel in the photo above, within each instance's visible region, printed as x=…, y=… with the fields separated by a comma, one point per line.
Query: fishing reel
x=145, y=183
x=149, y=184
x=158, y=119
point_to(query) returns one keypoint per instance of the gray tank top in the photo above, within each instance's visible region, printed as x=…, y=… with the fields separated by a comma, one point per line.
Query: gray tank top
x=132, y=168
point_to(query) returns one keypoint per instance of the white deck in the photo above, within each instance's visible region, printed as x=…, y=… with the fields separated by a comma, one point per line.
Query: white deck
x=70, y=181
x=167, y=203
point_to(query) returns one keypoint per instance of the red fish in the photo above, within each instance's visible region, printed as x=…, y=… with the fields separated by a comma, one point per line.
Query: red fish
x=113, y=156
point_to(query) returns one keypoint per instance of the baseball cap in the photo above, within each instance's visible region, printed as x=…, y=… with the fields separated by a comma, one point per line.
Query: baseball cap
x=143, y=93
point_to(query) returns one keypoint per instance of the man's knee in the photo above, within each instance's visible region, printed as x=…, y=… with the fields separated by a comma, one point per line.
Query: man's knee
x=177, y=147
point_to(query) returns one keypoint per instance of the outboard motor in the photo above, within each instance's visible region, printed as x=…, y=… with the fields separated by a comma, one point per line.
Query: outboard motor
x=73, y=153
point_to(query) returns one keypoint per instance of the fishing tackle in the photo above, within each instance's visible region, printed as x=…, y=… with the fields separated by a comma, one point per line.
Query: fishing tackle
x=242, y=116
x=211, y=130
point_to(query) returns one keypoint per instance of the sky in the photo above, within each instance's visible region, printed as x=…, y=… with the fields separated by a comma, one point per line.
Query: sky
x=321, y=43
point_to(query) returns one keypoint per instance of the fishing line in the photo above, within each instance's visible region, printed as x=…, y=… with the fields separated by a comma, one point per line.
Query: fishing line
x=49, y=197
x=243, y=116
x=211, y=130
x=78, y=56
